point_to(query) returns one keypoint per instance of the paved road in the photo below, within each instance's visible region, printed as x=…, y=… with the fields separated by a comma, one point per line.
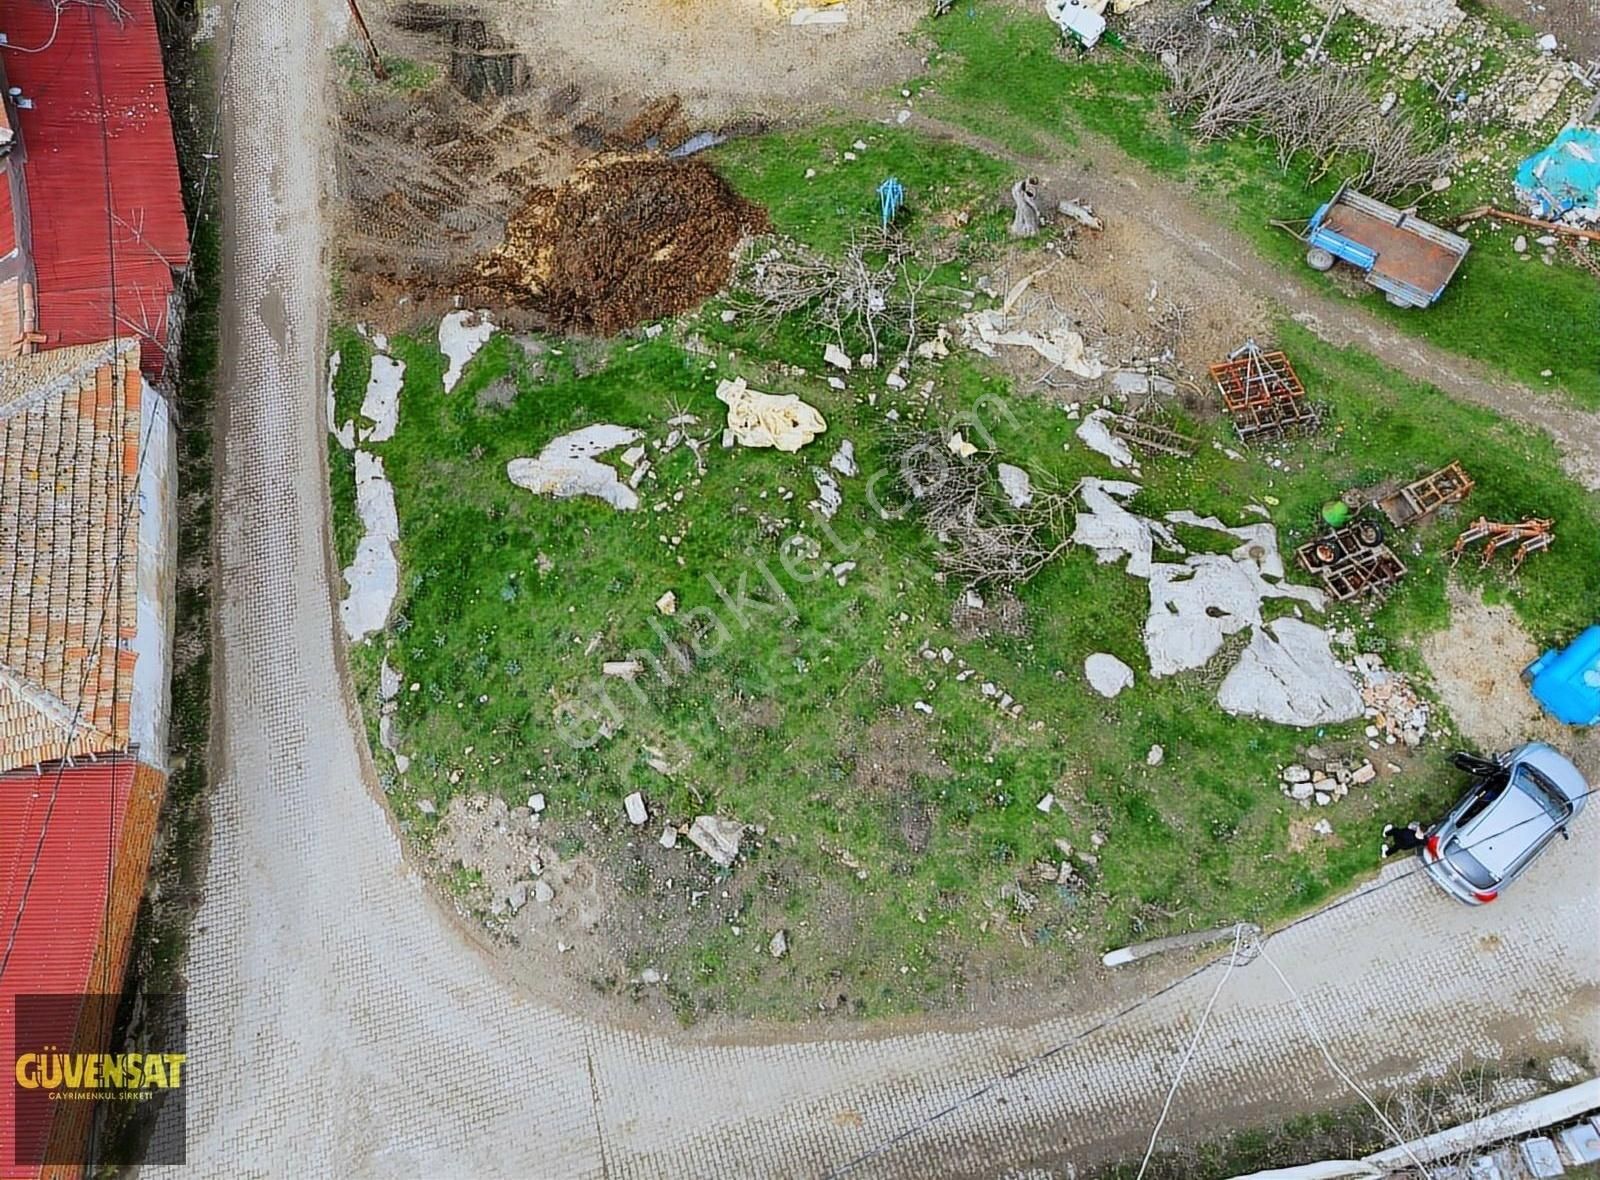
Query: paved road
x=342, y=1026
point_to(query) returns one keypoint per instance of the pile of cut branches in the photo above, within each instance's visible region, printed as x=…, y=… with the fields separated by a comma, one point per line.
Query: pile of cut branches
x=1234, y=80
x=876, y=295
x=983, y=538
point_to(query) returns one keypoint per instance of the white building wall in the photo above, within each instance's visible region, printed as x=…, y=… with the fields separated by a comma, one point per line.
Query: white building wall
x=151, y=707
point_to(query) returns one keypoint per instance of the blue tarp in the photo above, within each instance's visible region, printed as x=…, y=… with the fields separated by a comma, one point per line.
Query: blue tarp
x=1564, y=176
x=1567, y=683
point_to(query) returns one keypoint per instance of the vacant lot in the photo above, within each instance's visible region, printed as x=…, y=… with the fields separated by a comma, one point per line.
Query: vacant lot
x=887, y=737
x=896, y=847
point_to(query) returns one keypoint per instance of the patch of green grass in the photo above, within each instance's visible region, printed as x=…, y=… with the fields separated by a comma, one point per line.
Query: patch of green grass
x=349, y=388
x=996, y=72
x=841, y=196
x=402, y=74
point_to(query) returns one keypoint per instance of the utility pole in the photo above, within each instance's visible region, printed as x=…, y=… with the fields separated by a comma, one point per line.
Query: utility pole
x=378, y=71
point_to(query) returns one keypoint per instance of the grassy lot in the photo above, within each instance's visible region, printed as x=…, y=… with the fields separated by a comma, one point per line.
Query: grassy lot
x=996, y=71
x=888, y=883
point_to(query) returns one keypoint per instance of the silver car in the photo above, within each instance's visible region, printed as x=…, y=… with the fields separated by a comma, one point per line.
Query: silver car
x=1519, y=803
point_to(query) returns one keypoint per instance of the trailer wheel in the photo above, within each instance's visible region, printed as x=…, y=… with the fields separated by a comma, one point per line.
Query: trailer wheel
x=1319, y=259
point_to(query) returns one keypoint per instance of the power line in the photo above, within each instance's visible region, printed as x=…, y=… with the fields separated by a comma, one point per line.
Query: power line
x=1122, y=1013
x=1177, y=1078
x=1327, y=1055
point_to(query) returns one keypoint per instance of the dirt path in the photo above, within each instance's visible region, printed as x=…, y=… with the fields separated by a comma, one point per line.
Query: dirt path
x=340, y=1024
x=1117, y=186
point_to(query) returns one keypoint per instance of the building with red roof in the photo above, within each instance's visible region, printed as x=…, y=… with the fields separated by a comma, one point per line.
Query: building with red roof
x=93, y=245
x=93, y=234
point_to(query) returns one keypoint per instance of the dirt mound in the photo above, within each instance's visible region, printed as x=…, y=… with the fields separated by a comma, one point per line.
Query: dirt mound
x=625, y=239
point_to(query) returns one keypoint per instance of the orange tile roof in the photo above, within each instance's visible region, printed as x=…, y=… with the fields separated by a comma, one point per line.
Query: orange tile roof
x=69, y=444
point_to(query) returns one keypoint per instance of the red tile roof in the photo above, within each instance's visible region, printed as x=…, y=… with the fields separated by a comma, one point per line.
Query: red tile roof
x=69, y=469
x=101, y=171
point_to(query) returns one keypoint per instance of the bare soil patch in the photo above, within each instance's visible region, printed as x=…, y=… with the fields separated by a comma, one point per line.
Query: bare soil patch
x=1477, y=667
x=1135, y=296
x=897, y=751
x=433, y=180
x=725, y=57
x=622, y=241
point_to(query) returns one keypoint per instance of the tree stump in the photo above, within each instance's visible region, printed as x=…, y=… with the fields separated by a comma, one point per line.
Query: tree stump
x=1024, y=194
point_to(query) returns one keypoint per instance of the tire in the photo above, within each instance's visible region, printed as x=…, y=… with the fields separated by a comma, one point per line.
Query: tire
x=1319, y=259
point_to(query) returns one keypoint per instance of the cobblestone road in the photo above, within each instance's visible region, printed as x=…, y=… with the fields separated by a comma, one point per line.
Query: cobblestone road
x=341, y=1026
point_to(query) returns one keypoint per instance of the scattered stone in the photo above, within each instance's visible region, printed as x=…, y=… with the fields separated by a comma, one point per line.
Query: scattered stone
x=650, y=976
x=1322, y=828
x=1046, y=803
x=461, y=335
x=374, y=576
x=1364, y=774
x=1288, y=674
x=829, y=497
x=1323, y=798
x=637, y=812
x=1301, y=791
x=380, y=405
x=543, y=893
x=1297, y=774
x=844, y=459
x=669, y=837
x=518, y=897
x=1130, y=384
x=779, y=946
x=1520, y=244
x=1098, y=437
x=627, y=669
x=667, y=604
x=717, y=837
x=837, y=357
x=1015, y=483
x=426, y=807
x=536, y=803
x=1080, y=213
x=1107, y=675
x=1155, y=757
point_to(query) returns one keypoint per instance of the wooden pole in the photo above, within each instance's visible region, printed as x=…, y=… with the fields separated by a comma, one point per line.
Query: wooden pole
x=1549, y=226
x=378, y=71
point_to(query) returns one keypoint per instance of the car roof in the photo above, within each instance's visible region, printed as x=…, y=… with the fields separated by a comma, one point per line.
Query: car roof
x=1504, y=831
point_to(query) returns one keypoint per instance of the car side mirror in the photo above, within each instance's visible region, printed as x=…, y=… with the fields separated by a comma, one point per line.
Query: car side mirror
x=1566, y=835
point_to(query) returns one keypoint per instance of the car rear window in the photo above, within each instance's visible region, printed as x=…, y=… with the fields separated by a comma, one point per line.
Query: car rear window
x=1470, y=868
x=1503, y=832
